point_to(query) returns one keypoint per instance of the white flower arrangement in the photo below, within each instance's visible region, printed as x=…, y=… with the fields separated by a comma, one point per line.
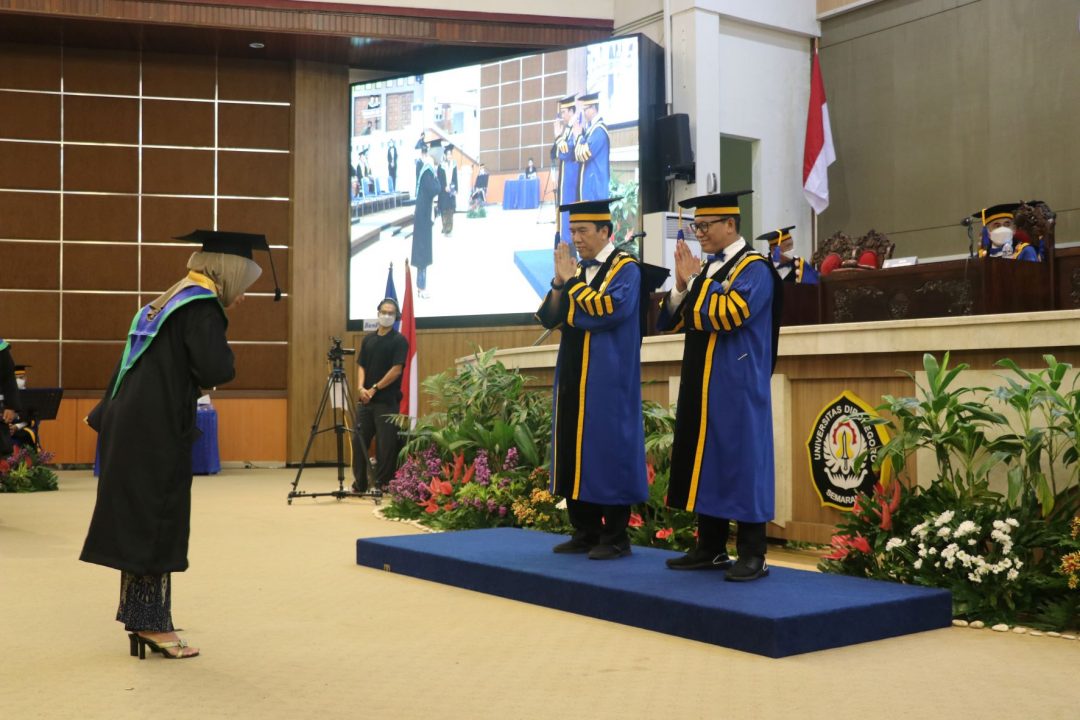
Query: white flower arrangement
x=954, y=544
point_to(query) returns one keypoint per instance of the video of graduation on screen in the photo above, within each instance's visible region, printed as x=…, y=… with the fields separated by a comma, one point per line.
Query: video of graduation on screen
x=461, y=172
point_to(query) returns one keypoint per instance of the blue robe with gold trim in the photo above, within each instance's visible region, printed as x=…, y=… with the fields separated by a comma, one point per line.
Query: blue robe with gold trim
x=722, y=454
x=598, y=436
x=569, y=178
x=593, y=152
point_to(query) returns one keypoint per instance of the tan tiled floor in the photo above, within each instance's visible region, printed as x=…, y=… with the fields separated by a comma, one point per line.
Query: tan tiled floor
x=290, y=627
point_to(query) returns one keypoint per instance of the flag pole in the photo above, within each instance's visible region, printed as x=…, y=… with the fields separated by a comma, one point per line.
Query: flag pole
x=813, y=213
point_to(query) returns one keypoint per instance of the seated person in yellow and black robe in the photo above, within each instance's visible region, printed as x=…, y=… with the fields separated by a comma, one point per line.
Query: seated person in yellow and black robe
x=598, y=436
x=9, y=388
x=722, y=465
x=999, y=234
x=25, y=431
x=790, y=267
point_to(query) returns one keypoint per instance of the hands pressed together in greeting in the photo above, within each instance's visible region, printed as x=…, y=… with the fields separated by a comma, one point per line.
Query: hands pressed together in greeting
x=687, y=265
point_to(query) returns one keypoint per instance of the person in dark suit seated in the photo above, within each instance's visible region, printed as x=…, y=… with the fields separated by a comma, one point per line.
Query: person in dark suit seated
x=790, y=267
x=530, y=169
x=999, y=237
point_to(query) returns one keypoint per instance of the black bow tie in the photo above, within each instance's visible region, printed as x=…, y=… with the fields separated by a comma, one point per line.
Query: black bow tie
x=590, y=263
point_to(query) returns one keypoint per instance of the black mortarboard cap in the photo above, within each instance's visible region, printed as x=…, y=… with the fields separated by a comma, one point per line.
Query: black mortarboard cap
x=589, y=210
x=995, y=212
x=590, y=99
x=22, y=368
x=233, y=243
x=567, y=103
x=715, y=204
x=777, y=235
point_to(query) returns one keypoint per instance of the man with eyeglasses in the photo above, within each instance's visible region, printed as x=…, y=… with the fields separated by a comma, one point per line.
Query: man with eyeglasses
x=598, y=438
x=728, y=305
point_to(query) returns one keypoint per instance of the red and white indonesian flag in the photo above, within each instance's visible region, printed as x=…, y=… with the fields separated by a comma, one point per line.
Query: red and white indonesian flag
x=409, y=393
x=819, y=153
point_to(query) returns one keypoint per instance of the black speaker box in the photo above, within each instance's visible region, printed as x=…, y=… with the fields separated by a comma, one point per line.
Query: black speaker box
x=673, y=139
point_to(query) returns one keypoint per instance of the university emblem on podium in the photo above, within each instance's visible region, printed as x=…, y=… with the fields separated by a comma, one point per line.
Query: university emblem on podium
x=842, y=449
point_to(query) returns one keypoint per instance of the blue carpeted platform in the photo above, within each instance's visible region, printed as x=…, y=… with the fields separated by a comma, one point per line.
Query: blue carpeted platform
x=538, y=267
x=786, y=613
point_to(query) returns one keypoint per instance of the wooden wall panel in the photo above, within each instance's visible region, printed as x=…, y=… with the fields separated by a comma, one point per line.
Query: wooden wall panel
x=163, y=266
x=163, y=218
x=249, y=430
x=320, y=212
x=29, y=67
x=101, y=267
x=178, y=172
x=184, y=76
x=30, y=216
x=260, y=319
x=254, y=126
x=88, y=366
x=29, y=116
x=253, y=174
x=110, y=72
x=89, y=118
x=101, y=218
x=32, y=315
x=92, y=316
x=260, y=367
x=101, y=169
x=268, y=81
x=252, y=429
x=29, y=166
x=271, y=218
x=30, y=266
x=175, y=122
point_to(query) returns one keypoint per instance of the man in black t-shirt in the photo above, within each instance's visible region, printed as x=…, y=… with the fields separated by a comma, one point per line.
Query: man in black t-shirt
x=378, y=381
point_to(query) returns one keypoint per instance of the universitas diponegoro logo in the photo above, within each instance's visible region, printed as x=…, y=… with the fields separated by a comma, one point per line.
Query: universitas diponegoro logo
x=842, y=449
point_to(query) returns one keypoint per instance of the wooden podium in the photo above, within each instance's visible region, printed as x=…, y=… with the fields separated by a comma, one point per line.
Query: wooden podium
x=945, y=289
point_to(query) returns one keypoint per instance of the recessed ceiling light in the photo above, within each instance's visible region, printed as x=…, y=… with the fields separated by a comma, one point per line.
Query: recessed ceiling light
x=256, y=45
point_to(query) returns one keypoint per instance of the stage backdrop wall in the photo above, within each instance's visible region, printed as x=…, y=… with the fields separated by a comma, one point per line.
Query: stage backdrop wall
x=939, y=109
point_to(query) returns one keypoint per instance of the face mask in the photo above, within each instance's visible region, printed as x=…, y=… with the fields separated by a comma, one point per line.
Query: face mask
x=387, y=320
x=1001, y=236
x=787, y=247
x=21, y=383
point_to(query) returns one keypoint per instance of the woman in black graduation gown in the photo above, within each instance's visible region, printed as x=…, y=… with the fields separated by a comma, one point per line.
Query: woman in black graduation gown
x=146, y=426
x=427, y=191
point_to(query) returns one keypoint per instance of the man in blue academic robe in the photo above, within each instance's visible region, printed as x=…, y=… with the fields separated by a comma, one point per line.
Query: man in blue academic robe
x=722, y=455
x=593, y=152
x=999, y=233
x=569, y=169
x=598, y=436
x=790, y=267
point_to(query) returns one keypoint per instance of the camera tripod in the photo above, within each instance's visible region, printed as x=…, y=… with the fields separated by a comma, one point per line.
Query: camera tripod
x=337, y=387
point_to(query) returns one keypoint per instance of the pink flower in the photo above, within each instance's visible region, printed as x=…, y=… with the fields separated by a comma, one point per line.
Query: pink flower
x=635, y=520
x=664, y=534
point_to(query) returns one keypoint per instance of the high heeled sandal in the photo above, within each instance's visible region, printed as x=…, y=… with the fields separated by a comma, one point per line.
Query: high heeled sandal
x=140, y=643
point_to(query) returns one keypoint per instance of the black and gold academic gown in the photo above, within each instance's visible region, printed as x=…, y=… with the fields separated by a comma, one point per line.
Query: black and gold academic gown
x=722, y=454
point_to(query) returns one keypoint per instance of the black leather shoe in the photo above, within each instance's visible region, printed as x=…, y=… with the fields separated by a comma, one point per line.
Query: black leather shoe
x=747, y=568
x=698, y=559
x=609, y=551
x=355, y=487
x=573, y=545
